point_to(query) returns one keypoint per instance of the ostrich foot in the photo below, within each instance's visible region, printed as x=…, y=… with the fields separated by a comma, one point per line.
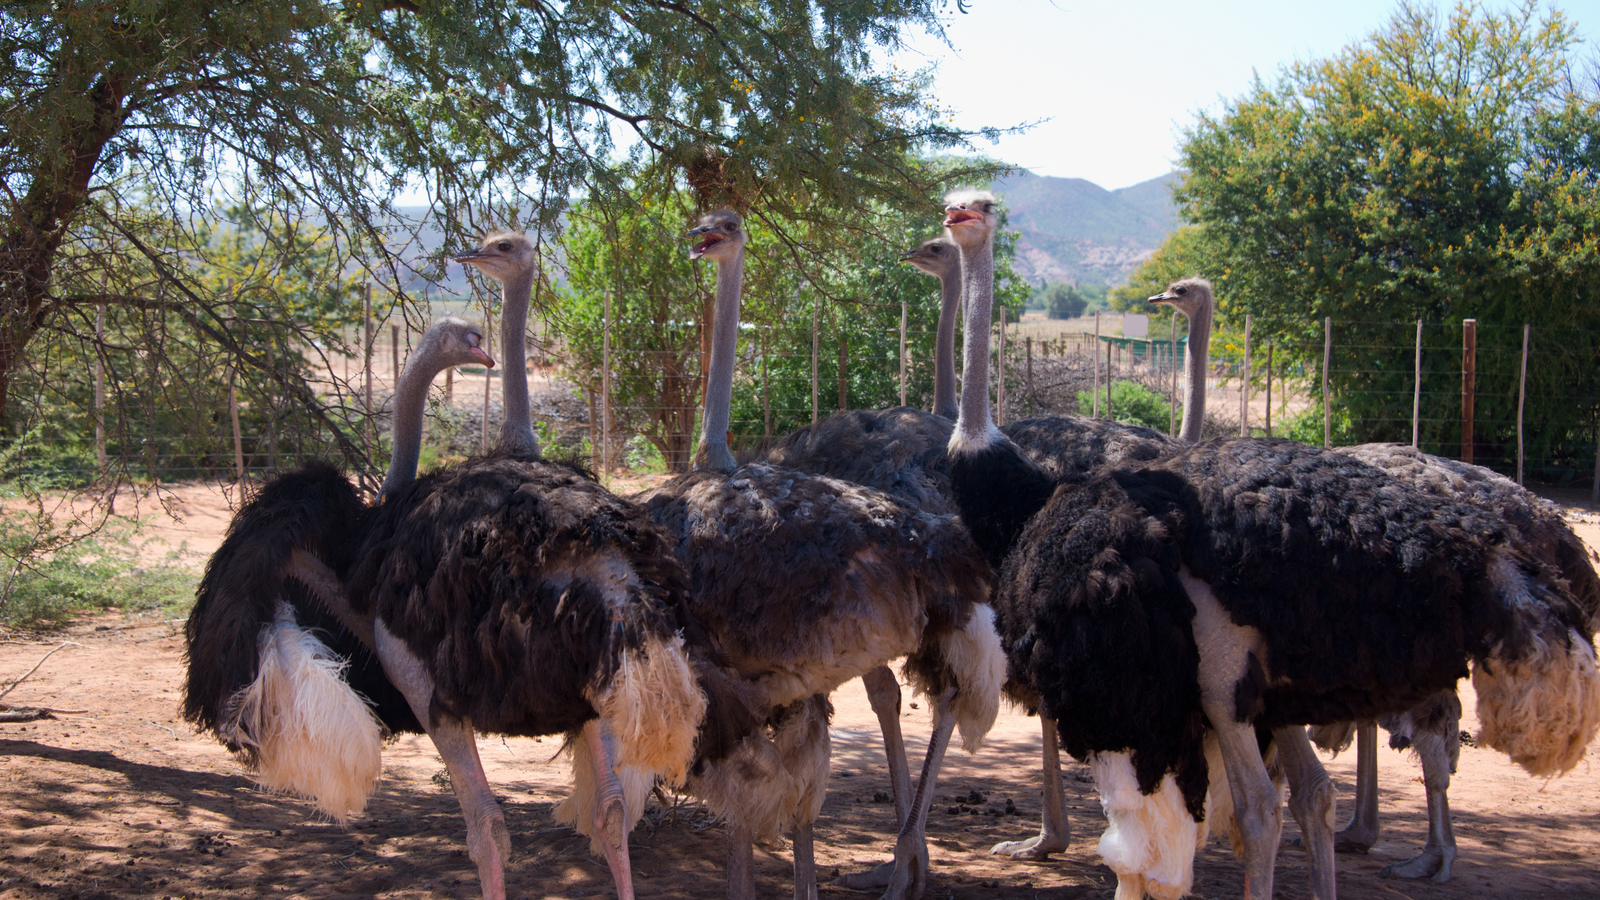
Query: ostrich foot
x=1352, y=839
x=1429, y=864
x=1038, y=847
x=874, y=879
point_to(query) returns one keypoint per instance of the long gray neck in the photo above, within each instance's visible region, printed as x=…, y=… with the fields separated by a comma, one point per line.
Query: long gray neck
x=410, y=399
x=516, y=432
x=974, y=427
x=944, y=348
x=1194, y=389
x=713, y=455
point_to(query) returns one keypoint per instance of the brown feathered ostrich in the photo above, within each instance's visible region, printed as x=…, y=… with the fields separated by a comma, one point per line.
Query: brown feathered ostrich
x=1431, y=729
x=517, y=596
x=803, y=582
x=1216, y=591
x=269, y=670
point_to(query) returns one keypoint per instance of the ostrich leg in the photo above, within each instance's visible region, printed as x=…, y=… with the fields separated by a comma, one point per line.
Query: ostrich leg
x=1312, y=802
x=1434, y=860
x=1362, y=832
x=1054, y=833
x=883, y=692
x=488, y=842
x=910, y=881
x=610, y=818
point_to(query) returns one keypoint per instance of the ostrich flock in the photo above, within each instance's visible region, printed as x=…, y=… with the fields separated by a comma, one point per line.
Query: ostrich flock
x=1176, y=612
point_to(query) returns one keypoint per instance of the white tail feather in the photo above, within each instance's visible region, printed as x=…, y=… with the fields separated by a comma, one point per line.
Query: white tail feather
x=1151, y=839
x=655, y=708
x=577, y=809
x=1541, y=710
x=304, y=729
x=979, y=666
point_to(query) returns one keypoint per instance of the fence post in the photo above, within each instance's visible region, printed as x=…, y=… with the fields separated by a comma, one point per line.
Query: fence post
x=766, y=397
x=1172, y=358
x=1522, y=395
x=902, y=351
x=1109, y=345
x=449, y=386
x=1469, y=383
x=272, y=415
x=816, y=313
x=1244, y=384
x=366, y=358
x=605, y=387
x=594, y=438
x=1269, y=390
x=233, y=407
x=394, y=358
x=1327, y=359
x=1028, y=387
x=1416, y=395
x=100, y=384
x=1095, y=358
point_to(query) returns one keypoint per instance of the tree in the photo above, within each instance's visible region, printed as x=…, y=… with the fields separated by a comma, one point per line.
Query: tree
x=294, y=111
x=1064, y=302
x=1439, y=169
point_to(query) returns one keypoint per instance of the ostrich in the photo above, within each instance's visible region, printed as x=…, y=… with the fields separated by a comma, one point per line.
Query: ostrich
x=938, y=257
x=517, y=596
x=1062, y=446
x=1432, y=728
x=258, y=674
x=1212, y=592
x=804, y=582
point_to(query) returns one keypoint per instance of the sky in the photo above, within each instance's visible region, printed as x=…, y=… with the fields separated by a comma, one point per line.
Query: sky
x=1118, y=81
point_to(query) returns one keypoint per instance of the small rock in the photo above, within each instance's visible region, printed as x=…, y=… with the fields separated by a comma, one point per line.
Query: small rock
x=954, y=811
x=974, y=799
x=881, y=797
x=1011, y=808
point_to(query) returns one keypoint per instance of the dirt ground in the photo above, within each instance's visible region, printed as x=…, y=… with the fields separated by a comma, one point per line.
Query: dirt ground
x=122, y=799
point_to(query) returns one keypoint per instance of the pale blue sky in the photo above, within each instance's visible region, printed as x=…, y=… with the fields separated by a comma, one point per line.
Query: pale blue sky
x=1120, y=80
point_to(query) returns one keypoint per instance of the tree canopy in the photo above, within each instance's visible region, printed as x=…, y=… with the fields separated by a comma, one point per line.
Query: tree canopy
x=1447, y=166
x=133, y=122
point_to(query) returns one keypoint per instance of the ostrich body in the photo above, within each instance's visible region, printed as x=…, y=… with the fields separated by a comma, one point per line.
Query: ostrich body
x=1431, y=729
x=517, y=596
x=257, y=673
x=1214, y=591
x=803, y=582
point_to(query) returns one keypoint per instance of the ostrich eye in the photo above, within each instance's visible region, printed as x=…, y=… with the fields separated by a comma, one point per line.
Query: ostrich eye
x=505, y=246
x=1181, y=291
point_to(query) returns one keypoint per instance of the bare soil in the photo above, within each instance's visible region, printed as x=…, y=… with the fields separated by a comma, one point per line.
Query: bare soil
x=122, y=799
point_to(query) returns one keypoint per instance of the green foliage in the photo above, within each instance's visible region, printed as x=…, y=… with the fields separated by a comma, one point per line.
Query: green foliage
x=1063, y=301
x=1443, y=168
x=1306, y=427
x=51, y=575
x=1185, y=253
x=1134, y=404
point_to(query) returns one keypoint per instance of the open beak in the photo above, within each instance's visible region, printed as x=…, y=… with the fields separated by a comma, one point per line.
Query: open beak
x=955, y=215
x=709, y=237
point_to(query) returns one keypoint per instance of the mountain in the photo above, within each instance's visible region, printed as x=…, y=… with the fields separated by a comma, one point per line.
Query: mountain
x=1074, y=230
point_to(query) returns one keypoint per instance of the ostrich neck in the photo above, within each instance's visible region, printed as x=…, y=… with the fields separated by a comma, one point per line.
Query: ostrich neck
x=1194, y=390
x=410, y=397
x=974, y=426
x=712, y=454
x=516, y=432
x=944, y=348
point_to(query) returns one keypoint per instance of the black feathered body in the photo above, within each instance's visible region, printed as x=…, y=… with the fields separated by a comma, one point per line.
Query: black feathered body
x=519, y=584
x=1067, y=446
x=803, y=582
x=899, y=451
x=314, y=509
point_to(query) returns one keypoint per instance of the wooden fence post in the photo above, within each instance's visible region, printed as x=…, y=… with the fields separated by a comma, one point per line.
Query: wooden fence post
x=1416, y=394
x=1000, y=382
x=1269, y=390
x=1109, y=345
x=844, y=383
x=488, y=380
x=233, y=406
x=902, y=351
x=605, y=387
x=1095, y=357
x=1469, y=383
x=366, y=358
x=1244, y=384
x=1522, y=395
x=1327, y=359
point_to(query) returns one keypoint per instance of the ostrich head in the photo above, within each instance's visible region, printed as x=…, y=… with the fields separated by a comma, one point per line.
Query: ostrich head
x=1189, y=296
x=935, y=256
x=721, y=235
x=457, y=342
x=502, y=255
x=971, y=217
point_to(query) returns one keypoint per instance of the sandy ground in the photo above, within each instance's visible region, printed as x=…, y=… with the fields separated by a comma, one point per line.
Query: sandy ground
x=122, y=799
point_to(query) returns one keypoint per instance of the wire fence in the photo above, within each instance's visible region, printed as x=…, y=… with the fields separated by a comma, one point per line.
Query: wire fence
x=1456, y=389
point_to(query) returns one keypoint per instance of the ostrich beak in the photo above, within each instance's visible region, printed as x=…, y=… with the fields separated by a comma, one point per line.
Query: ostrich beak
x=483, y=357
x=471, y=256
x=1163, y=297
x=708, y=232
x=955, y=215
x=910, y=255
